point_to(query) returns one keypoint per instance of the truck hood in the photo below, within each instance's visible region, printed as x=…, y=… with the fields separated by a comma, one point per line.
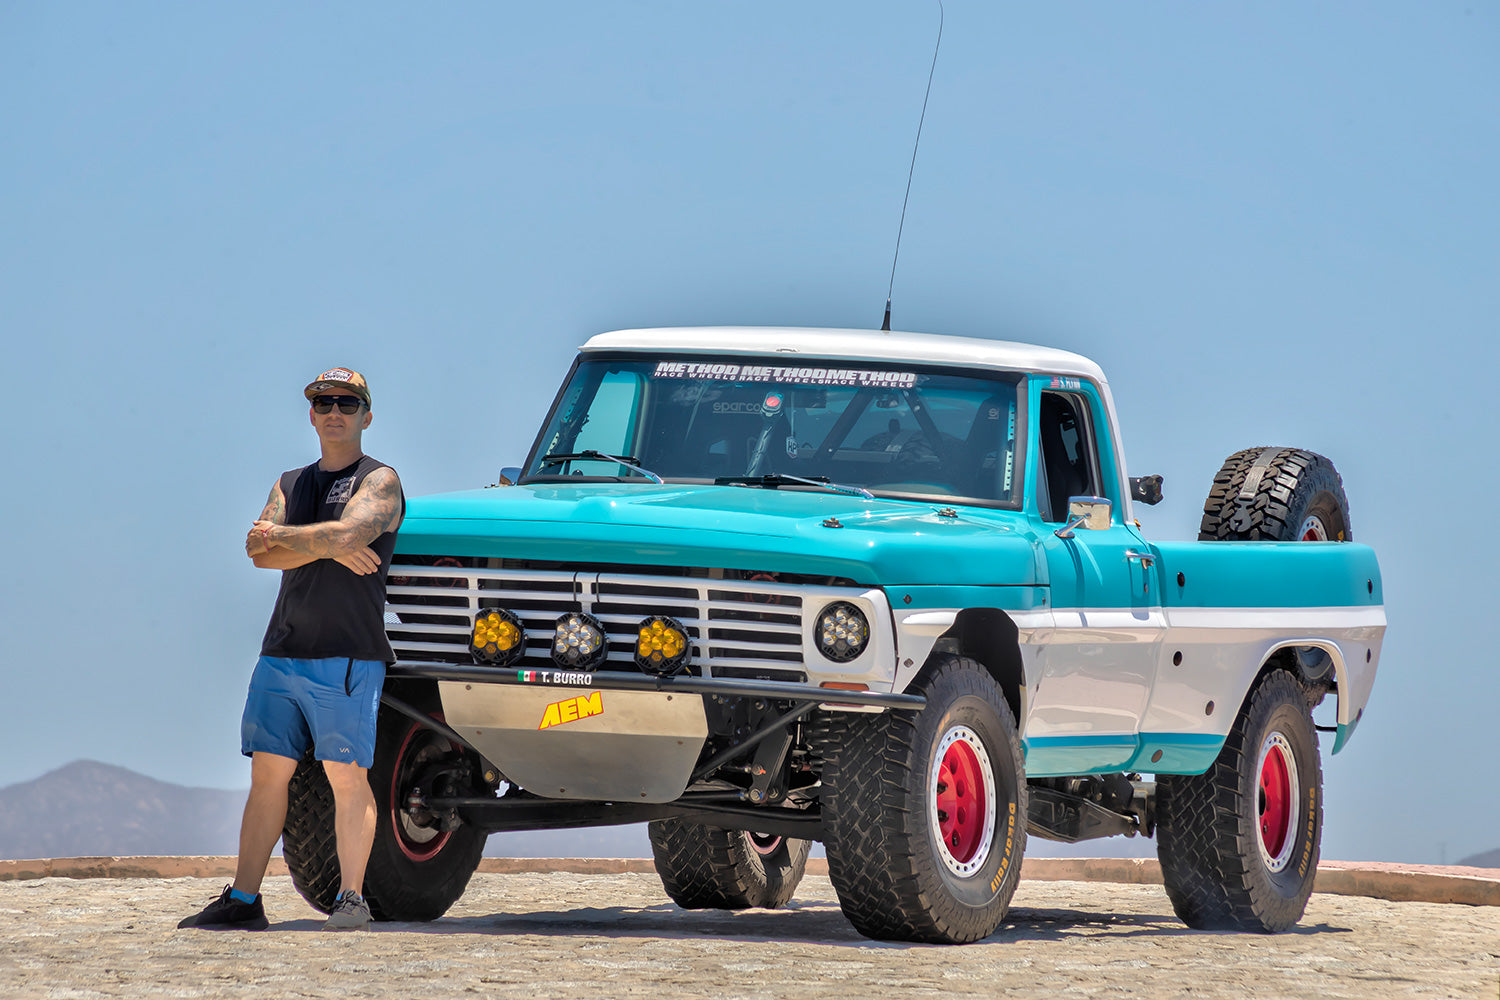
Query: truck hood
x=875, y=541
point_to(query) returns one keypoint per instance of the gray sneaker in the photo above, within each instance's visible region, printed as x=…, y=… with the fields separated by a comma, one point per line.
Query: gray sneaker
x=350, y=913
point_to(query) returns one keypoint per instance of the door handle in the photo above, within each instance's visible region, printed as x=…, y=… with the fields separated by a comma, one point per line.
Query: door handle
x=1147, y=560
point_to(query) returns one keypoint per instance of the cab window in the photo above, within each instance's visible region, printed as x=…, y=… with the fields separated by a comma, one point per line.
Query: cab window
x=1069, y=465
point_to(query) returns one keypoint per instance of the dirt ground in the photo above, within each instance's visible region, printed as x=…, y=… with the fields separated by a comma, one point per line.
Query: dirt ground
x=572, y=936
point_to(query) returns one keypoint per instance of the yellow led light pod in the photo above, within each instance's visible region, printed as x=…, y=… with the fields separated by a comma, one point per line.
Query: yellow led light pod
x=498, y=638
x=662, y=645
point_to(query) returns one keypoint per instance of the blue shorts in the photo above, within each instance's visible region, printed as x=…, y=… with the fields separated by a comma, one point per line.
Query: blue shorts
x=327, y=704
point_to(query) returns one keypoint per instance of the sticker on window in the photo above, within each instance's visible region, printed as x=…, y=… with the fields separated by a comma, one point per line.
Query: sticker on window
x=856, y=377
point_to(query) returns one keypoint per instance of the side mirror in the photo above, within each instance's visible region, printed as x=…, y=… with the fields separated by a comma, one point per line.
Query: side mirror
x=509, y=475
x=1089, y=513
x=1146, y=489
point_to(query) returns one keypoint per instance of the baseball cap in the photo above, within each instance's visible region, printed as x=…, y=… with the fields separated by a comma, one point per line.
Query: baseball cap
x=339, y=378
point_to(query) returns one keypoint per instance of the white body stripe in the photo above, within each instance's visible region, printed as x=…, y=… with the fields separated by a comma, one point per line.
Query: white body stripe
x=1284, y=619
x=1109, y=671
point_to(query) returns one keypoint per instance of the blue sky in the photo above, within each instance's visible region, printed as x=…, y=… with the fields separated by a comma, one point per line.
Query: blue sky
x=1271, y=225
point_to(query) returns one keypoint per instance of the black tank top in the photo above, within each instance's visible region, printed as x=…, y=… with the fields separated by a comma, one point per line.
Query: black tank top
x=325, y=608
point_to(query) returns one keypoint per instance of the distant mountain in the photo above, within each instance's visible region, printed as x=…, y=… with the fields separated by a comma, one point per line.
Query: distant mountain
x=1485, y=859
x=87, y=808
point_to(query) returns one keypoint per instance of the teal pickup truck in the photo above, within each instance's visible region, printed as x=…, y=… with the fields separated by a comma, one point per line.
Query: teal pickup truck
x=763, y=587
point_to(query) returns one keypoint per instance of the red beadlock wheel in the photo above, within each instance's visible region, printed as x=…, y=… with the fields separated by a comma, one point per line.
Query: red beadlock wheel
x=1276, y=779
x=419, y=843
x=1313, y=530
x=963, y=797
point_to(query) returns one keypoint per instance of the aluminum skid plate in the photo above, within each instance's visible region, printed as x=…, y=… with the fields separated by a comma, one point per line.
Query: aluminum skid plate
x=579, y=743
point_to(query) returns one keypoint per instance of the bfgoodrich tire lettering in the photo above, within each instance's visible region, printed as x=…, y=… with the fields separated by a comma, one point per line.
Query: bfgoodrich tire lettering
x=1239, y=845
x=705, y=867
x=905, y=864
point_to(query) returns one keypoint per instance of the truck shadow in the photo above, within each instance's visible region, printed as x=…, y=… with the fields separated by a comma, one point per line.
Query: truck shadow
x=800, y=922
x=1034, y=924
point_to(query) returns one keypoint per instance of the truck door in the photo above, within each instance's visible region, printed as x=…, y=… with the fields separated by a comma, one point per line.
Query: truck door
x=1098, y=660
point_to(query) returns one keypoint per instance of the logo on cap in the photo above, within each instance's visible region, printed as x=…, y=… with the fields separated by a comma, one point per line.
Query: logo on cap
x=336, y=375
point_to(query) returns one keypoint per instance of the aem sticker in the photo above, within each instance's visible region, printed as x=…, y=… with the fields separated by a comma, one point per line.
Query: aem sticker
x=560, y=712
x=858, y=377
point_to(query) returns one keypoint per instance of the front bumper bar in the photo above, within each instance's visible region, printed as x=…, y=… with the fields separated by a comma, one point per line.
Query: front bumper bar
x=620, y=680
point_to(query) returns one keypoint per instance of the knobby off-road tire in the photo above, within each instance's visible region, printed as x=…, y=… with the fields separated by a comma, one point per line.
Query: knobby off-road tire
x=415, y=873
x=925, y=813
x=708, y=868
x=307, y=842
x=1239, y=845
x=1277, y=495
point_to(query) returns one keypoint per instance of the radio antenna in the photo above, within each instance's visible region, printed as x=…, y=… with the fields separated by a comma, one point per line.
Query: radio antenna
x=885, y=326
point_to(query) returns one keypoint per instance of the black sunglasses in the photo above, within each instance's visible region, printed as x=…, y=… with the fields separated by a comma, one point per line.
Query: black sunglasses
x=346, y=404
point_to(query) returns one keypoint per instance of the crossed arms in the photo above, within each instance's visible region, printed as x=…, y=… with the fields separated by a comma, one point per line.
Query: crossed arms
x=375, y=509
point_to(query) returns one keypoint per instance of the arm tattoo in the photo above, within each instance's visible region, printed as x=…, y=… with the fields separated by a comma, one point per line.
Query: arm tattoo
x=275, y=509
x=375, y=509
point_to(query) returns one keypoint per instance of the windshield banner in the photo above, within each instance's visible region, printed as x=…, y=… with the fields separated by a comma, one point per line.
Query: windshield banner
x=798, y=376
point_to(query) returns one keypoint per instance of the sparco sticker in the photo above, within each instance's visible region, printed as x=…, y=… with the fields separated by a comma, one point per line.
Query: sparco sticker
x=858, y=377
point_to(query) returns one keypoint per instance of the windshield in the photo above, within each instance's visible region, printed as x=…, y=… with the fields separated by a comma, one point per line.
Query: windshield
x=891, y=431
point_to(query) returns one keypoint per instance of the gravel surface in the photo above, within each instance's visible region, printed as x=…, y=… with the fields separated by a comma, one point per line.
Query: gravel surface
x=578, y=937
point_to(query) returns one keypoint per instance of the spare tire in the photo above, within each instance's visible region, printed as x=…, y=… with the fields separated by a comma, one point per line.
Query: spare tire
x=1276, y=495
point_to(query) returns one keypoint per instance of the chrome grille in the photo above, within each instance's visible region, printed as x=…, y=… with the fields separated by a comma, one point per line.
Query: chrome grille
x=739, y=628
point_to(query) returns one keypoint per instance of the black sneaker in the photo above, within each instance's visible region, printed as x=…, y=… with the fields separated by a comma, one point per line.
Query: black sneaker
x=228, y=914
x=350, y=913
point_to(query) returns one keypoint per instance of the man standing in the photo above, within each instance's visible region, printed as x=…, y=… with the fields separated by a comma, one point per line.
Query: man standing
x=330, y=528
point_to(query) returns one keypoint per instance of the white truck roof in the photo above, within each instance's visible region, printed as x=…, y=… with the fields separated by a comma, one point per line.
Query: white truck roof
x=780, y=341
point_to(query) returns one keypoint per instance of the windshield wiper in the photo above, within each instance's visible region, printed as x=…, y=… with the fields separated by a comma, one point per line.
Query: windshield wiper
x=629, y=461
x=776, y=479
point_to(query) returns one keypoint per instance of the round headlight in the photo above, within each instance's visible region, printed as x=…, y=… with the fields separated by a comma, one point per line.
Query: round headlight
x=498, y=637
x=579, y=642
x=843, y=633
x=661, y=646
